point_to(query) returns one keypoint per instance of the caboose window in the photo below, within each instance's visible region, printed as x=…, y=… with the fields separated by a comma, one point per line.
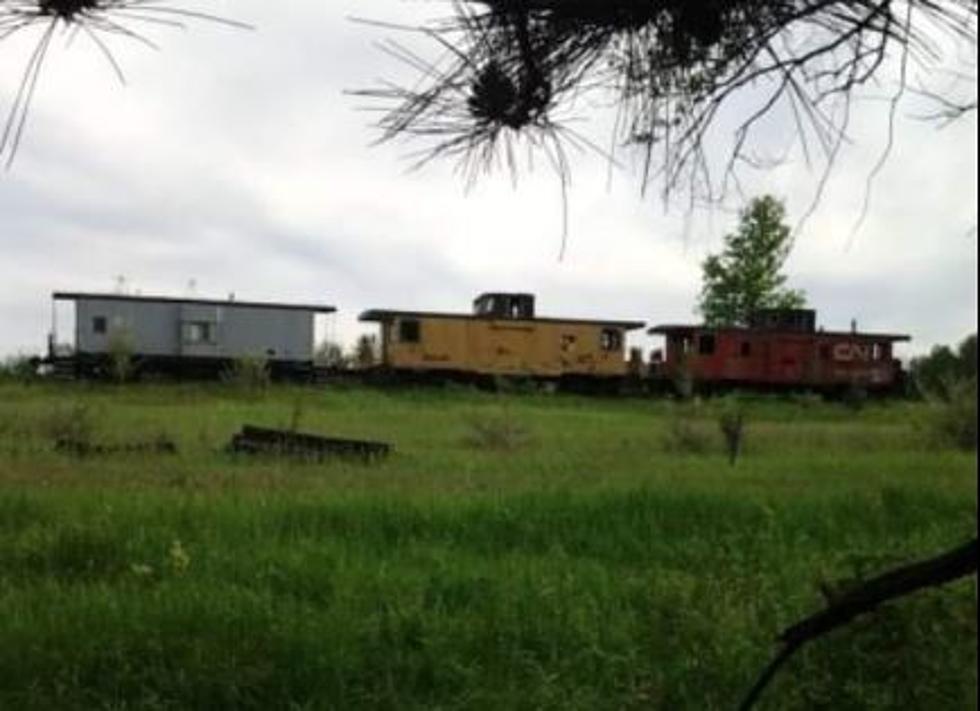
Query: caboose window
x=706, y=344
x=99, y=324
x=746, y=349
x=610, y=339
x=409, y=331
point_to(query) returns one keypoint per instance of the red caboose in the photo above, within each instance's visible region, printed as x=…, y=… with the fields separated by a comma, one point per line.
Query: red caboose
x=780, y=348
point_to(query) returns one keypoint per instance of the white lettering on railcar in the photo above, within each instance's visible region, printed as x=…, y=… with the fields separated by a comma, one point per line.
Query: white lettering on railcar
x=852, y=351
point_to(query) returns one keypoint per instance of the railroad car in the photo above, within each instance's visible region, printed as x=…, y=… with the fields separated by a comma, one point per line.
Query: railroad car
x=502, y=337
x=778, y=349
x=184, y=336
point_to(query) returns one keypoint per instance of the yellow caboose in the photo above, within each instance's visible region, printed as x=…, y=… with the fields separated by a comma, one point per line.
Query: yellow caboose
x=502, y=337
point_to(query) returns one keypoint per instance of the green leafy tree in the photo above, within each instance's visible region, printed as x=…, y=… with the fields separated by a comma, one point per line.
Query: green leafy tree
x=937, y=373
x=366, y=352
x=330, y=354
x=746, y=275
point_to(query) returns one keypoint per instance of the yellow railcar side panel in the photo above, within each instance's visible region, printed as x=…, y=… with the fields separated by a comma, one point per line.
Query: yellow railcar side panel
x=508, y=347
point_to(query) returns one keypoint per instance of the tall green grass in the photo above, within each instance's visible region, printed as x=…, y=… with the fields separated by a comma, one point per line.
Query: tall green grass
x=592, y=567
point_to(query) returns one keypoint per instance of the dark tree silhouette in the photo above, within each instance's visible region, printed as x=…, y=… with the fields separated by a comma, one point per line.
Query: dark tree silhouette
x=98, y=19
x=510, y=69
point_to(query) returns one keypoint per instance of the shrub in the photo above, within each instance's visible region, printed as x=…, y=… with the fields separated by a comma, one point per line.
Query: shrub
x=854, y=397
x=732, y=426
x=74, y=424
x=19, y=368
x=120, y=350
x=515, y=385
x=683, y=382
x=932, y=375
x=953, y=416
x=330, y=355
x=296, y=414
x=685, y=436
x=249, y=374
x=366, y=352
x=498, y=432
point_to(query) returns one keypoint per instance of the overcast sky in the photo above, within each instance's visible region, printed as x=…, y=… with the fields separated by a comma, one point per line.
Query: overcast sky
x=237, y=161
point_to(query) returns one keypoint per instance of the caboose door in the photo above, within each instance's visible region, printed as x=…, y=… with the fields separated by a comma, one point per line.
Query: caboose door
x=508, y=348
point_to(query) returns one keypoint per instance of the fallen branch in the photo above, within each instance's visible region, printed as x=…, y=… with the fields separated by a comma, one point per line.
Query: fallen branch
x=939, y=570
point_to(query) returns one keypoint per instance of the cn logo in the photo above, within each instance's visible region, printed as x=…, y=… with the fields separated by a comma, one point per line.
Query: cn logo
x=852, y=351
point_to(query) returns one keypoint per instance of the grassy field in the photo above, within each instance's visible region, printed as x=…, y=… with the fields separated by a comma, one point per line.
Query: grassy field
x=515, y=551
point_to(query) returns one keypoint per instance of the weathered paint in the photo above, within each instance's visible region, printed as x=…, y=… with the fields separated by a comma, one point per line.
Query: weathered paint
x=548, y=348
x=781, y=358
x=167, y=328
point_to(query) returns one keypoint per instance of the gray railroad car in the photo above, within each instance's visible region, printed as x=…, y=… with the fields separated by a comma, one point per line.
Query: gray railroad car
x=186, y=335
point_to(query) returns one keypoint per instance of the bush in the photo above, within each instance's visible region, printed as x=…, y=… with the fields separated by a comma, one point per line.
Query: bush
x=685, y=436
x=74, y=424
x=854, y=398
x=19, y=368
x=953, y=418
x=249, y=374
x=932, y=375
x=732, y=426
x=683, y=382
x=120, y=349
x=515, y=385
x=330, y=355
x=498, y=432
x=366, y=352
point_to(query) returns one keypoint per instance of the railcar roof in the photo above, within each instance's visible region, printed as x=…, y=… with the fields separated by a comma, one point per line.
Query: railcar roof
x=382, y=315
x=82, y=296
x=667, y=329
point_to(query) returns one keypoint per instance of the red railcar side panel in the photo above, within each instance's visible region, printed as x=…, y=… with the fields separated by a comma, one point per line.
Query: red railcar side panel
x=775, y=358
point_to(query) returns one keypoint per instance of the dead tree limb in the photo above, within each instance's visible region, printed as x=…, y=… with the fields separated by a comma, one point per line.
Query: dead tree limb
x=899, y=582
x=514, y=71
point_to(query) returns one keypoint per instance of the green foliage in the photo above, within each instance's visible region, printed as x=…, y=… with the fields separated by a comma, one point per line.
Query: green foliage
x=516, y=385
x=854, y=397
x=495, y=431
x=686, y=434
x=76, y=423
x=746, y=276
x=248, y=374
x=732, y=426
x=682, y=380
x=953, y=420
x=591, y=570
x=120, y=350
x=947, y=380
x=935, y=374
x=19, y=368
x=366, y=351
x=330, y=354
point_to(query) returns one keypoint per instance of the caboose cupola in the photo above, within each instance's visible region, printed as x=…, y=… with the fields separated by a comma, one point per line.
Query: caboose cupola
x=504, y=305
x=796, y=320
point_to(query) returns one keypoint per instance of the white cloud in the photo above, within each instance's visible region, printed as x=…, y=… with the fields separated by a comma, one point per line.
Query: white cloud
x=238, y=160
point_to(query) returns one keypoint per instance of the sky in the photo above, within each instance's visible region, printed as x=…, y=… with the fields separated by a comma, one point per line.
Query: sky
x=239, y=162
